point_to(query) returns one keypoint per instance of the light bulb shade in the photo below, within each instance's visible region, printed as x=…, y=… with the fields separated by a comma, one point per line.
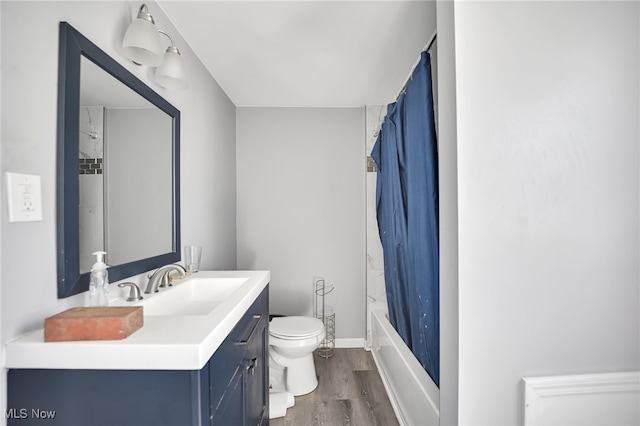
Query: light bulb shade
x=171, y=73
x=142, y=43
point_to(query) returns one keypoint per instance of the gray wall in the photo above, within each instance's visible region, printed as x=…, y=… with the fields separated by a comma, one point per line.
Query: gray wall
x=301, y=207
x=547, y=115
x=29, y=97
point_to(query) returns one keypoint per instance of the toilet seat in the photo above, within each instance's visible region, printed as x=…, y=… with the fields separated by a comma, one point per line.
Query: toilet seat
x=295, y=328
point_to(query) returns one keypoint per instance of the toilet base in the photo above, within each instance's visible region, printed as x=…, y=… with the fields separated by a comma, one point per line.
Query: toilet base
x=300, y=373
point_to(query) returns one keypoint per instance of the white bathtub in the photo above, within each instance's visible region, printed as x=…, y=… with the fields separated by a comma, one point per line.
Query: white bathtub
x=414, y=396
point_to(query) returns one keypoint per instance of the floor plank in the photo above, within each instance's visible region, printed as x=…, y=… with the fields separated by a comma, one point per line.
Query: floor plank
x=349, y=393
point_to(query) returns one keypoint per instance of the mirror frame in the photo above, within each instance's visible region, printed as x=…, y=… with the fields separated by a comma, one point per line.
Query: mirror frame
x=72, y=46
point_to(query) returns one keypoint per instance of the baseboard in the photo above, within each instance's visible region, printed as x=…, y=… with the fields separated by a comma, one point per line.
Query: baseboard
x=350, y=343
x=591, y=399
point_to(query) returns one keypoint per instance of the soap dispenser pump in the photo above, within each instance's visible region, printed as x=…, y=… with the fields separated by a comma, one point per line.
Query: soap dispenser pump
x=99, y=281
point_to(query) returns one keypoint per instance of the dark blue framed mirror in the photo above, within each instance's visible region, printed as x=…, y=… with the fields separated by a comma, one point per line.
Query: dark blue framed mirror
x=118, y=177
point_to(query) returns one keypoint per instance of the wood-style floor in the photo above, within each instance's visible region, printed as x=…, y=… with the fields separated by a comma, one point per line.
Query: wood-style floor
x=349, y=393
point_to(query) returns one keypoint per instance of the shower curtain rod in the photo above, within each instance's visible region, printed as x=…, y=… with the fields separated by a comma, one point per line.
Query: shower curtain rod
x=426, y=48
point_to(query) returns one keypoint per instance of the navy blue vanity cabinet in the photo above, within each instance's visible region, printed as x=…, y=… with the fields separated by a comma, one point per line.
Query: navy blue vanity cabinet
x=231, y=389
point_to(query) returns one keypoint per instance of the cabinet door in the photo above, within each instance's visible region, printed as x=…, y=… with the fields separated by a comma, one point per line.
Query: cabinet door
x=257, y=377
x=230, y=412
x=239, y=373
x=106, y=397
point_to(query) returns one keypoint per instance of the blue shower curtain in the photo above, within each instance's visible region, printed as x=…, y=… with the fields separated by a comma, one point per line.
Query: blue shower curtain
x=407, y=209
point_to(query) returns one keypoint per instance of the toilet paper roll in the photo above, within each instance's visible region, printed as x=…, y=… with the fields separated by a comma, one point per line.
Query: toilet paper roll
x=278, y=404
x=276, y=377
x=291, y=401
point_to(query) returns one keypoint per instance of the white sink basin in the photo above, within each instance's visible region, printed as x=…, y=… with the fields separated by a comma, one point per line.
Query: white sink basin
x=177, y=334
x=194, y=296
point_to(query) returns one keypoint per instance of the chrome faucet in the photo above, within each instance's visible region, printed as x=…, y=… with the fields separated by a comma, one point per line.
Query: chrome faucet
x=160, y=278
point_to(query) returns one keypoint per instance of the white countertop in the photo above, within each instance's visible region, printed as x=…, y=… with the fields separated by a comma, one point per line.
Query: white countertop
x=163, y=343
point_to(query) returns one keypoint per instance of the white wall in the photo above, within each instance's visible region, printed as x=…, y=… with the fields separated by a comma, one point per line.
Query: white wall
x=547, y=145
x=301, y=207
x=3, y=378
x=29, y=98
x=376, y=292
x=448, y=198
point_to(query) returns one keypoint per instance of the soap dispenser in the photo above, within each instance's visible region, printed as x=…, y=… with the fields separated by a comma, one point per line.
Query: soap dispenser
x=99, y=281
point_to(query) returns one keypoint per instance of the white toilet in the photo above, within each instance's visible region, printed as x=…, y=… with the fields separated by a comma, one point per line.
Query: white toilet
x=292, y=341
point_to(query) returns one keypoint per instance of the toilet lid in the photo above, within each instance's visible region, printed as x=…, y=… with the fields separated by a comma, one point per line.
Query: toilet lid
x=296, y=327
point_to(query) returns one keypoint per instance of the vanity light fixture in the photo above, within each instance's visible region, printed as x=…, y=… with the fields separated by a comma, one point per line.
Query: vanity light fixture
x=142, y=44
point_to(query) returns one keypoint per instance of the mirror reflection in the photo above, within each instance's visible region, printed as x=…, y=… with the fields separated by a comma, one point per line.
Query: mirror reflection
x=125, y=172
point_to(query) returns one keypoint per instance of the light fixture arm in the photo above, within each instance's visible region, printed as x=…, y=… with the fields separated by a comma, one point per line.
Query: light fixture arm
x=173, y=47
x=143, y=13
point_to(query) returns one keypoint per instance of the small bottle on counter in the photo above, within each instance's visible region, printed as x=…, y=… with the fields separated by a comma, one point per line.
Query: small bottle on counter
x=99, y=282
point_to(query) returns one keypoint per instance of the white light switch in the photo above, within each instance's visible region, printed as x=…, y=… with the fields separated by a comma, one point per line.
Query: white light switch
x=25, y=197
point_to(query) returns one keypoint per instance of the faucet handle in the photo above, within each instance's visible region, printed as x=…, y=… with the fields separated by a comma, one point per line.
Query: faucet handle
x=164, y=280
x=134, y=293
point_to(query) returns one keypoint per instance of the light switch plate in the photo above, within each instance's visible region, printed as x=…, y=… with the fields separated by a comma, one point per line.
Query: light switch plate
x=24, y=197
